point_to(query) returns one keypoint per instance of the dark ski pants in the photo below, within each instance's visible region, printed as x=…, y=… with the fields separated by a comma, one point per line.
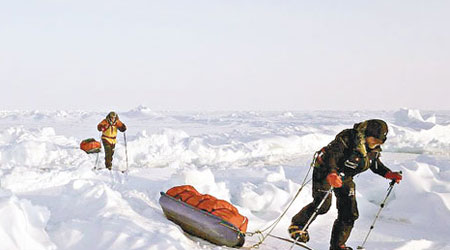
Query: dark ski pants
x=109, y=152
x=346, y=206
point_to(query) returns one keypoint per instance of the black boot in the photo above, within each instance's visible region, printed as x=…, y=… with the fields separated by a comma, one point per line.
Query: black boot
x=298, y=234
x=343, y=247
x=339, y=235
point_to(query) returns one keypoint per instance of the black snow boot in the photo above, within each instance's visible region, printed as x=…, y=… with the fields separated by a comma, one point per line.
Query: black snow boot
x=298, y=234
x=343, y=247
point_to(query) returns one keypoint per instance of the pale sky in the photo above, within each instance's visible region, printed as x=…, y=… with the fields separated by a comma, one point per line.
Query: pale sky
x=224, y=55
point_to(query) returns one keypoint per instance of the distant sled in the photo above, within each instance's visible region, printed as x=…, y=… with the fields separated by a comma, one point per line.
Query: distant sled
x=90, y=146
x=201, y=223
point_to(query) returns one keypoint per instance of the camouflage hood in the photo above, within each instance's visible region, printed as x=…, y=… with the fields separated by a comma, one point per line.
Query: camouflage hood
x=375, y=127
x=360, y=137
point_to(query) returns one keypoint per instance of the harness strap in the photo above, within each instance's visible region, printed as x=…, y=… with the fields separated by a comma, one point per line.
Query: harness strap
x=109, y=137
x=343, y=142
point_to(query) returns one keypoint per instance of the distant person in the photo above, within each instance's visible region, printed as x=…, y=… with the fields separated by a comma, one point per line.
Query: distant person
x=109, y=128
x=353, y=151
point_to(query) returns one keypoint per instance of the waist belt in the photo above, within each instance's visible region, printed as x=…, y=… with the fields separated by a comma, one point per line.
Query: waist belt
x=109, y=137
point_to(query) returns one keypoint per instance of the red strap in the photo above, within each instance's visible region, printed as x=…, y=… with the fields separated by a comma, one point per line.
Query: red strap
x=109, y=137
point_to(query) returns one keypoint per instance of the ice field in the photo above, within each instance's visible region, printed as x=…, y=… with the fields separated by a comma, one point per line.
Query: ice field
x=51, y=199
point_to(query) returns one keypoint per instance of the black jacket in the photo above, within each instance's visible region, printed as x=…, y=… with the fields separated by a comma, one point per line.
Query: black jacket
x=348, y=154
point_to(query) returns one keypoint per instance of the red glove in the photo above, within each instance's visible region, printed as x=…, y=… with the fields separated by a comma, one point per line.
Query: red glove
x=334, y=180
x=393, y=176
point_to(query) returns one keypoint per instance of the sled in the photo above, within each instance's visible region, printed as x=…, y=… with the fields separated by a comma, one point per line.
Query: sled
x=90, y=146
x=211, y=204
x=201, y=223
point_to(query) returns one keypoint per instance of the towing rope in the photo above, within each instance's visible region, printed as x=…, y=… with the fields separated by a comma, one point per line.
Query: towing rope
x=271, y=227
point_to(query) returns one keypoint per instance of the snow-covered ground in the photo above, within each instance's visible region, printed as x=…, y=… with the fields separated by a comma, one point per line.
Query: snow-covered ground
x=50, y=198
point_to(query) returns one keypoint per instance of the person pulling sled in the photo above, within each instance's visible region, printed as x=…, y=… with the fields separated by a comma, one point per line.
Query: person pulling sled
x=109, y=127
x=353, y=151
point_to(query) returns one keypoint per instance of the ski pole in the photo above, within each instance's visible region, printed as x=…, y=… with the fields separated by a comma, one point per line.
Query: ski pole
x=126, y=151
x=316, y=210
x=96, y=160
x=313, y=215
x=320, y=204
x=391, y=186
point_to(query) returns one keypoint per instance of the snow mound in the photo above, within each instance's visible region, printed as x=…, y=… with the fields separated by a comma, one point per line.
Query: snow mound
x=413, y=118
x=433, y=140
x=287, y=115
x=34, y=147
x=22, y=224
x=204, y=181
x=171, y=146
x=140, y=111
x=416, y=245
x=263, y=198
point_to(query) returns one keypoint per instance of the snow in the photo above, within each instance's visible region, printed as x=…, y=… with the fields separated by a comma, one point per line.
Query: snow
x=413, y=118
x=23, y=224
x=50, y=198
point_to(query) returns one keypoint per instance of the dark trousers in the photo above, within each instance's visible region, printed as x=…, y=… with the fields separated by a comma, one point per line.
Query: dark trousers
x=109, y=152
x=345, y=203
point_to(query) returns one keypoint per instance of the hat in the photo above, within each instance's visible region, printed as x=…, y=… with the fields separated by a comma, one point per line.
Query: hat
x=112, y=116
x=376, y=128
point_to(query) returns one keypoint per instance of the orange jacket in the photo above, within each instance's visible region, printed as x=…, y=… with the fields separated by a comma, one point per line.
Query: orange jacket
x=109, y=131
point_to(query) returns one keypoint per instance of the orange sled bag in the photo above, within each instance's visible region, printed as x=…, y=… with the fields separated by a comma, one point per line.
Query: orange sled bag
x=90, y=146
x=210, y=204
x=204, y=216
